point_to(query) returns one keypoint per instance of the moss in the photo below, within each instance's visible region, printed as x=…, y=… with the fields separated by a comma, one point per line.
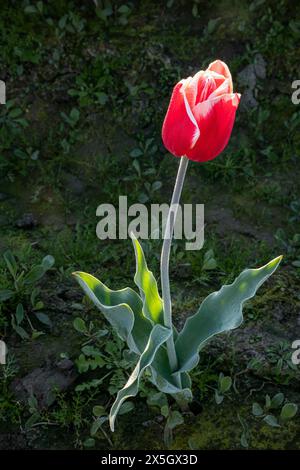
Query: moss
x=215, y=428
x=286, y=437
x=218, y=427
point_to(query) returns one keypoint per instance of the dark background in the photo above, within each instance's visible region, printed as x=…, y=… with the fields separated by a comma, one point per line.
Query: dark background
x=87, y=90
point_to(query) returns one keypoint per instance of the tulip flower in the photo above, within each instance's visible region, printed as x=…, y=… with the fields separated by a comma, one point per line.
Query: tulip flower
x=201, y=114
x=197, y=127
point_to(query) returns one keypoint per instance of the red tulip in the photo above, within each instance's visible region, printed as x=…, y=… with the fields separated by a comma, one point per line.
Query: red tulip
x=201, y=114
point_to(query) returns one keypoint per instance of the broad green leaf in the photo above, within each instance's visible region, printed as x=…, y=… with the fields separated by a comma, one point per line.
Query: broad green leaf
x=244, y=441
x=47, y=262
x=43, y=318
x=39, y=305
x=288, y=411
x=144, y=279
x=267, y=402
x=34, y=418
x=225, y=383
x=174, y=419
x=220, y=311
x=257, y=409
x=209, y=261
x=30, y=9
x=19, y=314
x=97, y=424
x=277, y=400
x=33, y=403
x=158, y=399
x=36, y=334
x=122, y=308
x=79, y=325
x=126, y=407
x=271, y=421
x=218, y=398
x=158, y=336
x=34, y=275
x=164, y=410
x=89, y=442
x=21, y=332
x=163, y=378
x=98, y=410
x=11, y=263
x=6, y=294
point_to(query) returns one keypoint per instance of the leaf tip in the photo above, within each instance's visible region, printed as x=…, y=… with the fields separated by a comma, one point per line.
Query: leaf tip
x=275, y=262
x=76, y=274
x=112, y=423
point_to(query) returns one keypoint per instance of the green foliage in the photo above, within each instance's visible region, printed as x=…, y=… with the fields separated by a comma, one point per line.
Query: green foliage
x=20, y=297
x=224, y=386
x=144, y=279
x=173, y=418
x=158, y=336
x=136, y=318
x=286, y=410
x=9, y=410
x=220, y=311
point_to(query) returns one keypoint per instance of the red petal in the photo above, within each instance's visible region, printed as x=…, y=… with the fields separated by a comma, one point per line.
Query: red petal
x=223, y=89
x=221, y=68
x=180, y=130
x=215, y=120
x=206, y=86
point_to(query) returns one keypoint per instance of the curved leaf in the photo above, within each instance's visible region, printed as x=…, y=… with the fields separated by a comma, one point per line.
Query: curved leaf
x=220, y=311
x=288, y=411
x=162, y=376
x=158, y=336
x=6, y=294
x=122, y=308
x=144, y=279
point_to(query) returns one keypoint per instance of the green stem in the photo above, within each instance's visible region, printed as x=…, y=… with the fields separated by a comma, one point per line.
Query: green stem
x=164, y=262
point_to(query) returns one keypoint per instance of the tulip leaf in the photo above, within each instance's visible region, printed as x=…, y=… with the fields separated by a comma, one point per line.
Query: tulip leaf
x=122, y=308
x=144, y=279
x=158, y=336
x=163, y=378
x=220, y=311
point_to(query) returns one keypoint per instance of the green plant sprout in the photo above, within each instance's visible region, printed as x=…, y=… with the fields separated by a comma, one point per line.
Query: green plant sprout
x=21, y=298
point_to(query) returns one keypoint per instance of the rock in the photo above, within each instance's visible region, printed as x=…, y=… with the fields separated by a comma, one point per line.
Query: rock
x=45, y=382
x=260, y=66
x=73, y=183
x=26, y=221
x=247, y=78
x=248, y=101
x=65, y=364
